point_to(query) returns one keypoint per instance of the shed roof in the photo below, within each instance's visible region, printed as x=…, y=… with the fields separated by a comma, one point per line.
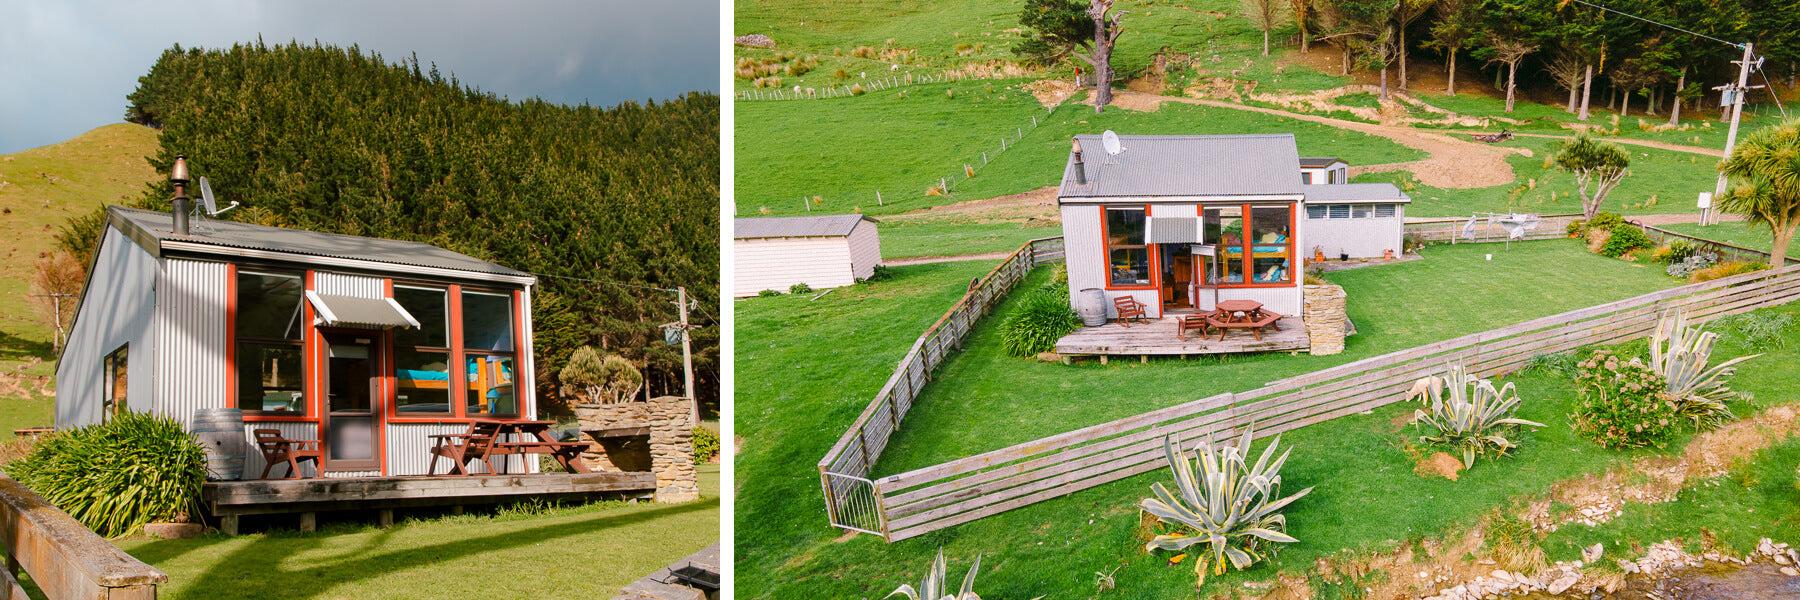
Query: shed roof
x=775, y=227
x=1314, y=162
x=154, y=230
x=1345, y=193
x=1186, y=165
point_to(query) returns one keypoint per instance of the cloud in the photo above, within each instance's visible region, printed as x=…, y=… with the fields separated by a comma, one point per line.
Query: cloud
x=67, y=65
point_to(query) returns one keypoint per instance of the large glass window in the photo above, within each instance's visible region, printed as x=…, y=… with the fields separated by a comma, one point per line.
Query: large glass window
x=422, y=356
x=430, y=307
x=1126, y=252
x=268, y=343
x=487, y=336
x=1269, y=245
x=1249, y=251
x=1223, y=227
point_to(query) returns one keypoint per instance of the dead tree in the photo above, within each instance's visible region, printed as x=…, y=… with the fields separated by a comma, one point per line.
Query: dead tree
x=1510, y=52
x=1106, y=33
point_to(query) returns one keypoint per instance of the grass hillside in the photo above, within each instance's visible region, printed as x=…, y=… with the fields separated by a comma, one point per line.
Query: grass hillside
x=40, y=189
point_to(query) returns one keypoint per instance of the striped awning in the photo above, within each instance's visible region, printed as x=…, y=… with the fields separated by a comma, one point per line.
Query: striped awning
x=362, y=313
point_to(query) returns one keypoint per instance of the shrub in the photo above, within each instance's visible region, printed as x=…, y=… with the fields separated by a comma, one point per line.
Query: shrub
x=596, y=379
x=1625, y=238
x=1760, y=331
x=119, y=475
x=1686, y=266
x=1042, y=318
x=706, y=444
x=800, y=288
x=1723, y=270
x=1679, y=354
x=1227, y=506
x=881, y=273
x=932, y=586
x=769, y=293
x=1622, y=404
x=1473, y=416
x=1559, y=363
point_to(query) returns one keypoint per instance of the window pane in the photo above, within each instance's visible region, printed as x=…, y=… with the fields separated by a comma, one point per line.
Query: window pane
x=1224, y=226
x=268, y=306
x=1340, y=211
x=422, y=382
x=1125, y=227
x=1361, y=211
x=1131, y=266
x=487, y=322
x=1384, y=210
x=491, y=389
x=1315, y=212
x=268, y=377
x=1269, y=228
x=430, y=308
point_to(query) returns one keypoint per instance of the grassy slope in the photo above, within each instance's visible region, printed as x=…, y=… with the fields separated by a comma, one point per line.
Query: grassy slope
x=42, y=188
x=1053, y=547
x=543, y=555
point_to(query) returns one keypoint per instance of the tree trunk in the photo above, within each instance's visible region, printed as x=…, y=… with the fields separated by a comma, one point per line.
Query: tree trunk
x=1572, y=90
x=1624, y=105
x=1675, y=107
x=1344, y=53
x=1265, y=42
x=1102, y=61
x=1512, y=82
x=1453, y=71
x=1778, y=254
x=1384, y=88
x=1403, y=57
x=1587, y=87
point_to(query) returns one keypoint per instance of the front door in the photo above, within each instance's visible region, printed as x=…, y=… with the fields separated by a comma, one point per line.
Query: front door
x=352, y=400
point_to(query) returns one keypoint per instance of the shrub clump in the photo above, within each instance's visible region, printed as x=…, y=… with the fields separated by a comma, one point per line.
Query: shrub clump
x=800, y=288
x=1622, y=404
x=769, y=293
x=1042, y=318
x=1686, y=266
x=706, y=444
x=119, y=475
x=1758, y=331
x=1625, y=238
x=1723, y=270
x=1469, y=414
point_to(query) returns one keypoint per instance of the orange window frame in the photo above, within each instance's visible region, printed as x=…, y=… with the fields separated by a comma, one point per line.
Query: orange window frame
x=1150, y=251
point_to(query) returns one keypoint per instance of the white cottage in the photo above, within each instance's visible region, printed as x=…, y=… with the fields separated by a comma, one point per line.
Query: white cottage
x=1181, y=222
x=1323, y=171
x=368, y=345
x=774, y=253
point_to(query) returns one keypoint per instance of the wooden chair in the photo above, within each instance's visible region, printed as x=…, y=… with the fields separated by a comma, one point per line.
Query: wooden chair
x=1129, y=308
x=276, y=449
x=477, y=443
x=1194, y=322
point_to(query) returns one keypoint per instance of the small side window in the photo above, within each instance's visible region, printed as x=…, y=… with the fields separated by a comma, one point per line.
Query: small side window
x=114, y=378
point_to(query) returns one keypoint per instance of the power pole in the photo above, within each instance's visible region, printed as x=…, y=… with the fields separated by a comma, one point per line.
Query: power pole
x=687, y=358
x=1737, y=94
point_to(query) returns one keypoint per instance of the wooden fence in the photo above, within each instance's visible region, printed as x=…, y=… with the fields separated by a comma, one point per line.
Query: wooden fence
x=65, y=559
x=939, y=496
x=849, y=495
x=1451, y=229
x=1726, y=252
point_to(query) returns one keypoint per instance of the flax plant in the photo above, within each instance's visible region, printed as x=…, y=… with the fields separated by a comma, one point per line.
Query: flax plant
x=1468, y=413
x=932, y=586
x=1222, y=503
x=1679, y=353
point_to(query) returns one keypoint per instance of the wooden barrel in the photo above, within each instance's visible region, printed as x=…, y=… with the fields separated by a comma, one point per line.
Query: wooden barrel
x=221, y=432
x=1091, y=305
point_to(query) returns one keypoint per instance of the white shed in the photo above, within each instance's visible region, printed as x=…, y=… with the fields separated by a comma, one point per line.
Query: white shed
x=774, y=253
x=1323, y=171
x=1360, y=220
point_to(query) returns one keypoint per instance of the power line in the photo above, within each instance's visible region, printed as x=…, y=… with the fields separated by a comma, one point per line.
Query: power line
x=1652, y=22
x=697, y=306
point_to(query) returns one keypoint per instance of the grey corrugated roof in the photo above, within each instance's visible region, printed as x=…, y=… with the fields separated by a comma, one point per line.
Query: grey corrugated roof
x=1340, y=193
x=774, y=227
x=1319, y=161
x=1186, y=165
x=157, y=225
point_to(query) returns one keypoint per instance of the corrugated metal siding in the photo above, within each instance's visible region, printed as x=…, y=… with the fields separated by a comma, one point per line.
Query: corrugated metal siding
x=409, y=450
x=1284, y=300
x=355, y=286
x=190, y=329
x=118, y=309
x=352, y=473
x=253, y=465
x=777, y=263
x=865, y=250
x=1362, y=238
x=1083, y=248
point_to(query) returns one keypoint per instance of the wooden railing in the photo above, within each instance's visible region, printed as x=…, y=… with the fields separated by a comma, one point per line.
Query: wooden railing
x=1726, y=252
x=1450, y=229
x=843, y=473
x=959, y=491
x=65, y=559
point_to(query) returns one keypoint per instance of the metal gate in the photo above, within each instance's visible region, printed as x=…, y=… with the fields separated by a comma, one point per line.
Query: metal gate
x=853, y=504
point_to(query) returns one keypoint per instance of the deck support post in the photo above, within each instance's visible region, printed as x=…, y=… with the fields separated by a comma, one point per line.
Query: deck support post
x=1143, y=359
x=457, y=510
x=1103, y=360
x=228, y=524
x=309, y=521
x=386, y=518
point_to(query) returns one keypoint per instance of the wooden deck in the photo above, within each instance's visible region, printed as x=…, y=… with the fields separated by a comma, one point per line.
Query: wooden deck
x=1158, y=338
x=230, y=499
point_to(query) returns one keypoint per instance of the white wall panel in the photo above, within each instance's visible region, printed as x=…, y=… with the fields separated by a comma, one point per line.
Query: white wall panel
x=865, y=250
x=117, y=309
x=190, y=320
x=778, y=263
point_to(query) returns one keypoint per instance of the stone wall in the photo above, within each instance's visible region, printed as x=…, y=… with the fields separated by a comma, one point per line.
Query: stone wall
x=1326, y=320
x=667, y=450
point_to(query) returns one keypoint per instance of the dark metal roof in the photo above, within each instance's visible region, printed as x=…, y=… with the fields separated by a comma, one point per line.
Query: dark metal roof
x=1186, y=165
x=1314, y=162
x=1343, y=193
x=155, y=227
x=774, y=227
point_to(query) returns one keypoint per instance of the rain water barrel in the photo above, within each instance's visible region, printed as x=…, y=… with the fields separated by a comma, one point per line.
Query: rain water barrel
x=221, y=432
x=1090, y=304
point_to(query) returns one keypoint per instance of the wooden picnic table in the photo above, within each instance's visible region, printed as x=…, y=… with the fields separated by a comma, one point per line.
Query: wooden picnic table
x=1242, y=314
x=488, y=437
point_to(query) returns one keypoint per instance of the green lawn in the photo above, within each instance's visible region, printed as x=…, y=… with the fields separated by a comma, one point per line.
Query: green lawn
x=952, y=238
x=588, y=550
x=784, y=547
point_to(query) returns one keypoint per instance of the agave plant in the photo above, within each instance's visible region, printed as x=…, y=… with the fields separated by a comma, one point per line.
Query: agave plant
x=932, y=587
x=1227, y=505
x=1679, y=354
x=1468, y=413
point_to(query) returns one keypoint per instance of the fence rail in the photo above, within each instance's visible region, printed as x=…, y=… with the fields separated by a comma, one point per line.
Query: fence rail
x=853, y=501
x=919, y=501
x=1726, y=252
x=1451, y=229
x=65, y=559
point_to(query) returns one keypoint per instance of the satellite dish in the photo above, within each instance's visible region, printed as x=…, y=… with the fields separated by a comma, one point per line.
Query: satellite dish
x=1110, y=141
x=206, y=197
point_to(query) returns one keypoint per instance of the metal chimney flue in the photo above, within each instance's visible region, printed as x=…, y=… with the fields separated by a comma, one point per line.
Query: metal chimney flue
x=178, y=175
x=1080, y=170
